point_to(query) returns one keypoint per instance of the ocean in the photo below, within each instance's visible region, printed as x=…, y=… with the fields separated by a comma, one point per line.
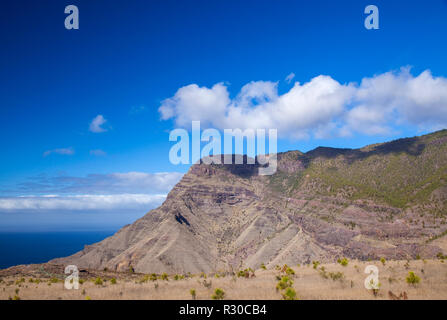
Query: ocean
x=37, y=247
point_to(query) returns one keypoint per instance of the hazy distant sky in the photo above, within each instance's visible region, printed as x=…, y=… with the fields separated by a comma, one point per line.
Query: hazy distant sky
x=85, y=114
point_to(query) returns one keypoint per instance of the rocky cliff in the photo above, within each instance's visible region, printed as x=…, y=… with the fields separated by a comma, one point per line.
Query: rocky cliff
x=386, y=200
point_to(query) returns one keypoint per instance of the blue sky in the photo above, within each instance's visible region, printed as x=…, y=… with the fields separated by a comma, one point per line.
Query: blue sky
x=128, y=57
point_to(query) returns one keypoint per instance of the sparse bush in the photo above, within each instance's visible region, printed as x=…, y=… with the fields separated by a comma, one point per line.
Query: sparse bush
x=383, y=260
x=289, y=271
x=412, y=278
x=179, y=277
x=83, y=292
x=193, y=293
x=218, y=294
x=440, y=256
x=323, y=272
x=246, y=273
x=16, y=298
x=289, y=294
x=336, y=276
x=207, y=284
x=343, y=262
x=131, y=269
x=144, y=279
x=88, y=298
x=54, y=280
x=98, y=281
x=284, y=283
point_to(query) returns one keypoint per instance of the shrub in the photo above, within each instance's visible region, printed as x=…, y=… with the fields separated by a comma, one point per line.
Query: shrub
x=412, y=278
x=290, y=271
x=16, y=298
x=218, y=294
x=98, y=281
x=440, y=256
x=153, y=277
x=113, y=281
x=383, y=260
x=246, y=273
x=284, y=283
x=88, y=298
x=263, y=267
x=164, y=276
x=336, y=276
x=315, y=263
x=81, y=281
x=54, y=280
x=20, y=281
x=179, y=277
x=144, y=279
x=193, y=293
x=289, y=294
x=131, y=269
x=343, y=262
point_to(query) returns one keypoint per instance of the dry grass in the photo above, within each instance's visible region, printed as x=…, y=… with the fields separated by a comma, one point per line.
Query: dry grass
x=308, y=283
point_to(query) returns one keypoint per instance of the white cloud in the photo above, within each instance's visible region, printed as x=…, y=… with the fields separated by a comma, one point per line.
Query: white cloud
x=96, y=124
x=97, y=152
x=63, y=151
x=116, y=191
x=113, y=183
x=322, y=107
x=82, y=202
x=290, y=77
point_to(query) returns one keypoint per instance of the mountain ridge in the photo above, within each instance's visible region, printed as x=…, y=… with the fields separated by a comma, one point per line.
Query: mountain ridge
x=382, y=200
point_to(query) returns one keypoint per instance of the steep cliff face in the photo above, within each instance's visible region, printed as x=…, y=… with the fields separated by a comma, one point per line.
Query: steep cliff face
x=387, y=200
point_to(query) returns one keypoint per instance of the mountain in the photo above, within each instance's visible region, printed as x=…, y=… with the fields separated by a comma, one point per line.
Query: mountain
x=384, y=200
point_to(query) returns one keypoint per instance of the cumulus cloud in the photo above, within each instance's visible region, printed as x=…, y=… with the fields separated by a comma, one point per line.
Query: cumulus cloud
x=321, y=107
x=97, y=123
x=82, y=202
x=64, y=151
